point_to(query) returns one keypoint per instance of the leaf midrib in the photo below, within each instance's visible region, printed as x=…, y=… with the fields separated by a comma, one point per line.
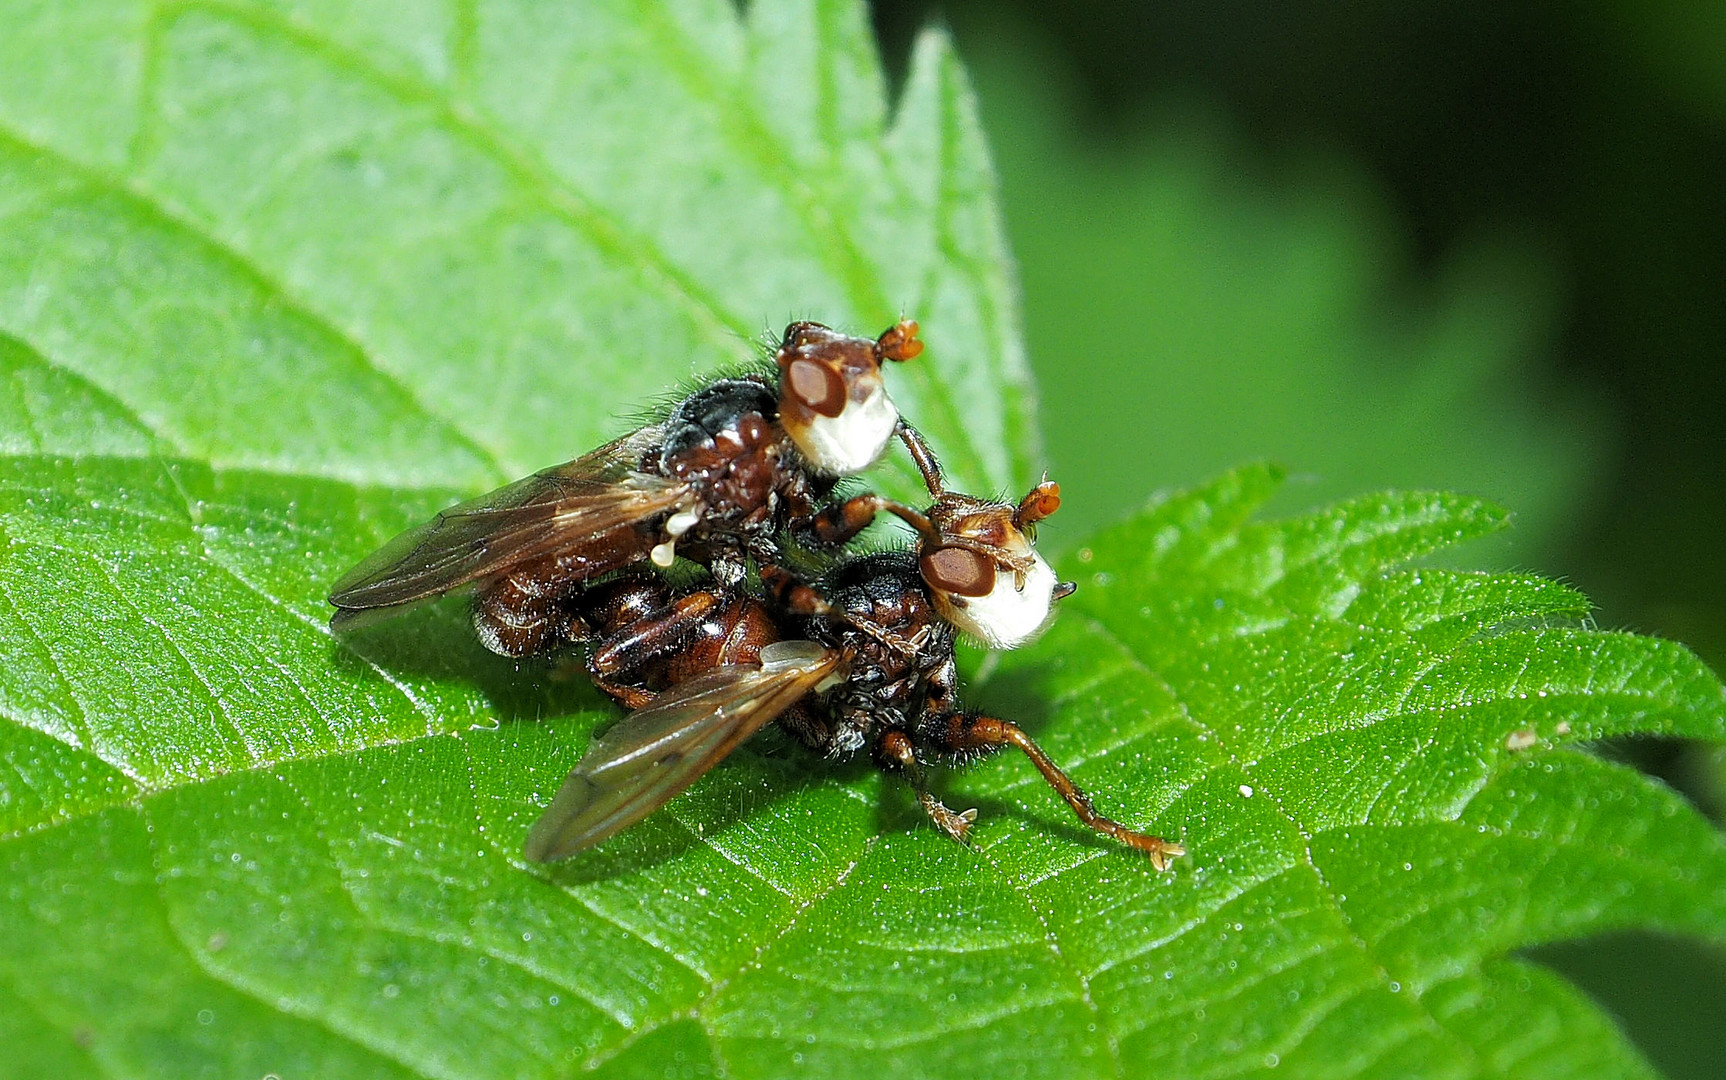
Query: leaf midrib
x=813, y=203
x=816, y=205
x=241, y=263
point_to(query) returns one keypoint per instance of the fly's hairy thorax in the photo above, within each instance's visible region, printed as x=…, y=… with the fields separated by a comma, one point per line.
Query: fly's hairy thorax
x=893, y=634
x=725, y=442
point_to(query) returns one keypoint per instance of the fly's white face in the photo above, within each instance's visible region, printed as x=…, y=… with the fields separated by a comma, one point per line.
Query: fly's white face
x=852, y=441
x=832, y=402
x=1010, y=614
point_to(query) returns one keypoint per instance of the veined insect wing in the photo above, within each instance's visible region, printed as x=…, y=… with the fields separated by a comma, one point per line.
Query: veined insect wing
x=553, y=510
x=656, y=752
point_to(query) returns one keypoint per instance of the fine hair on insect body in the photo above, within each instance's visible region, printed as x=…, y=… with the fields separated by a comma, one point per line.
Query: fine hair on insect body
x=779, y=623
x=862, y=658
x=733, y=467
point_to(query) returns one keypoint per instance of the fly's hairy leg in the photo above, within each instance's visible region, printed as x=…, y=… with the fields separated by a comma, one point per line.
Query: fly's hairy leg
x=808, y=726
x=789, y=592
x=839, y=523
x=960, y=733
x=894, y=749
x=924, y=456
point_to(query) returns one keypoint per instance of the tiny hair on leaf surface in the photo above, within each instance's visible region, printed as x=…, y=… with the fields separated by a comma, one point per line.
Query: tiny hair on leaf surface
x=277, y=281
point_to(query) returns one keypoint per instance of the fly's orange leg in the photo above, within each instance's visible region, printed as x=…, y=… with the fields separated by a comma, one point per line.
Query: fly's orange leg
x=960, y=732
x=895, y=750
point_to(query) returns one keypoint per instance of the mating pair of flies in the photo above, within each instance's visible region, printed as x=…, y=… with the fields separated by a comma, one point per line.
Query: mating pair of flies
x=744, y=471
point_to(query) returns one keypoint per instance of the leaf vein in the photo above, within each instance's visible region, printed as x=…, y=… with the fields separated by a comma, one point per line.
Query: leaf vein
x=1053, y=940
x=236, y=980
x=149, y=205
x=554, y=191
x=345, y=874
x=79, y=715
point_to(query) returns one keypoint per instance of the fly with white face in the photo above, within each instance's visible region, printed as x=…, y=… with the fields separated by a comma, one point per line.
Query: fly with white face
x=860, y=659
x=852, y=441
x=731, y=469
x=978, y=557
x=1015, y=611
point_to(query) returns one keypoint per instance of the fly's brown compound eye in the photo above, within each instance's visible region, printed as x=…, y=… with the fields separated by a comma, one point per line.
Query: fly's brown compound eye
x=817, y=386
x=958, y=570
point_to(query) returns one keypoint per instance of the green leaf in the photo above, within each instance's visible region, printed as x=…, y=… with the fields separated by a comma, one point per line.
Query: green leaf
x=415, y=246
x=277, y=280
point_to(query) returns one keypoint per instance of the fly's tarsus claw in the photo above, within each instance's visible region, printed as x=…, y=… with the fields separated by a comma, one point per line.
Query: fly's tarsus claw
x=958, y=826
x=1161, y=851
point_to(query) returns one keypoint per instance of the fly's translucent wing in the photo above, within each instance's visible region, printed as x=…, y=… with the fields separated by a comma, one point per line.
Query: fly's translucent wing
x=551, y=511
x=656, y=752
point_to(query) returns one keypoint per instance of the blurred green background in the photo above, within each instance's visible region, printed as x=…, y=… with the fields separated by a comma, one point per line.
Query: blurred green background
x=1475, y=245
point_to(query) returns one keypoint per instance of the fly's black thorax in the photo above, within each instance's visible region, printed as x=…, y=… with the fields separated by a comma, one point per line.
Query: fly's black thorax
x=884, y=618
x=711, y=413
x=724, y=440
